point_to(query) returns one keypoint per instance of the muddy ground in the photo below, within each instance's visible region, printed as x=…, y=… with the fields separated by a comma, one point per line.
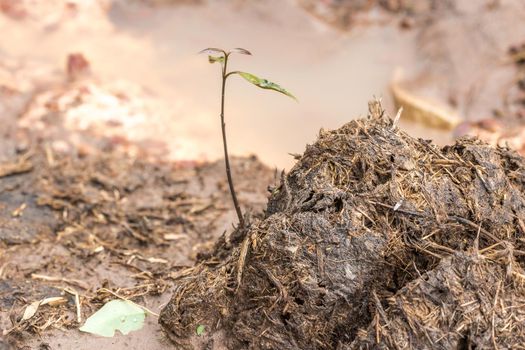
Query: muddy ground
x=455, y=58
x=93, y=204
x=89, y=210
x=108, y=223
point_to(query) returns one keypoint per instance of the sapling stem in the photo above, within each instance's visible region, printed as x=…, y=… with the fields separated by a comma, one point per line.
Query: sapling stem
x=225, y=145
x=222, y=58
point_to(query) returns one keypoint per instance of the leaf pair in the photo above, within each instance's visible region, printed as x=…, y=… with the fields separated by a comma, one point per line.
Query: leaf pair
x=214, y=50
x=255, y=80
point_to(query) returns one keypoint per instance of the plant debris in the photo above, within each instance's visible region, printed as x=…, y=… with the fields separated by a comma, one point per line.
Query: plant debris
x=371, y=232
x=121, y=315
x=103, y=226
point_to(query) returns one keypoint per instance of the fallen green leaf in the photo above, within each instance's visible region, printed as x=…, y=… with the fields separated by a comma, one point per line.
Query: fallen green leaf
x=121, y=315
x=264, y=84
x=200, y=329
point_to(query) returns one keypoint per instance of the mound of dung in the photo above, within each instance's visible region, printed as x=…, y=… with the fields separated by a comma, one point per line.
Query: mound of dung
x=470, y=301
x=366, y=218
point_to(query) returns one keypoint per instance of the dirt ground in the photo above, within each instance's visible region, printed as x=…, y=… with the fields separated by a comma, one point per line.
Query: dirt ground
x=92, y=207
x=99, y=223
x=89, y=210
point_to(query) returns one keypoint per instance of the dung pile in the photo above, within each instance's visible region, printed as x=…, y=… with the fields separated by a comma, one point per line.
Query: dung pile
x=371, y=235
x=469, y=301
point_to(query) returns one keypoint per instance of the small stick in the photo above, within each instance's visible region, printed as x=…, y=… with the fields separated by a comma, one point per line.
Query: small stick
x=130, y=301
x=398, y=116
x=78, y=283
x=77, y=302
x=242, y=259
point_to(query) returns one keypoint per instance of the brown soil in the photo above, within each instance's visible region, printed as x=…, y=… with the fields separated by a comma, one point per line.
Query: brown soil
x=507, y=125
x=371, y=234
x=106, y=224
x=345, y=14
x=373, y=240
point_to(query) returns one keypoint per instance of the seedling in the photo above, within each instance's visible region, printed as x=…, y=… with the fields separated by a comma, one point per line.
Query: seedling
x=221, y=56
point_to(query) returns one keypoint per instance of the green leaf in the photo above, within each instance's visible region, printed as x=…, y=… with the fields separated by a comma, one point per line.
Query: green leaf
x=213, y=59
x=264, y=84
x=121, y=315
x=200, y=329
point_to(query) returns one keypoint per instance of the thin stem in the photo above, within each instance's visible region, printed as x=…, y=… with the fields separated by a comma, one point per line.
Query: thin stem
x=226, y=157
x=231, y=73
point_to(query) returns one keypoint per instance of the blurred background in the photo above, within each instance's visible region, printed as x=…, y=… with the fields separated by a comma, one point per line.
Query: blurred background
x=83, y=76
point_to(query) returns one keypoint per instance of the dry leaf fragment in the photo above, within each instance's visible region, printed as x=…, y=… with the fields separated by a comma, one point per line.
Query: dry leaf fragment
x=31, y=310
x=19, y=211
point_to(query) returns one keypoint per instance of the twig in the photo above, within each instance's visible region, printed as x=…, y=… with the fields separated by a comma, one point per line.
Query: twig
x=77, y=302
x=242, y=259
x=130, y=301
x=77, y=283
